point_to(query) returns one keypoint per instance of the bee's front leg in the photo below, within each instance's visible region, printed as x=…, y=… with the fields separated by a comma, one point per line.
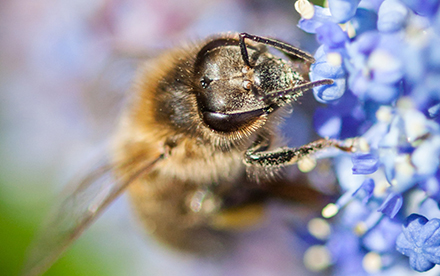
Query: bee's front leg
x=258, y=156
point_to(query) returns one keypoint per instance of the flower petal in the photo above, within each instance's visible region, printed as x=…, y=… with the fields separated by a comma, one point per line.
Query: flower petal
x=365, y=163
x=343, y=10
x=392, y=16
x=391, y=205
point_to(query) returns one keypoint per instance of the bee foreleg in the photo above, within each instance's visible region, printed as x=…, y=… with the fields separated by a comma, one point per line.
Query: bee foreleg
x=287, y=156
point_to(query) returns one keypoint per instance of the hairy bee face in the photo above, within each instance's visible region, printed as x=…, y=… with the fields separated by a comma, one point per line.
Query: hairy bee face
x=224, y=81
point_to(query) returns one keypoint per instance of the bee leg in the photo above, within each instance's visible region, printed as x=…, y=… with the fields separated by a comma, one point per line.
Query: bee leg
x=287, y=156
x=282, y=46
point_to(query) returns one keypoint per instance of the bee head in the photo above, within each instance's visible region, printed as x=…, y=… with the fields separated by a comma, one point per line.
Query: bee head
x=230, y=93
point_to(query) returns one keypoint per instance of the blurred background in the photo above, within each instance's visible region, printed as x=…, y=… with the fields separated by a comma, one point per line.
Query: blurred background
x=65, y=66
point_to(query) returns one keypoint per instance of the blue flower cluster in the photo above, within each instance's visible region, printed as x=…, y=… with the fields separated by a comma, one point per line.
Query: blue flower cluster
x=384, y=58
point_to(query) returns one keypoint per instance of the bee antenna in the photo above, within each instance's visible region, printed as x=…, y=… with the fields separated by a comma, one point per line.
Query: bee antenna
x=243, y=48
x=283, y=47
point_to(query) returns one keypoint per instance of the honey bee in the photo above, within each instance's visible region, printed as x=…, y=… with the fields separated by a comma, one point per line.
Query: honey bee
x=198, y=135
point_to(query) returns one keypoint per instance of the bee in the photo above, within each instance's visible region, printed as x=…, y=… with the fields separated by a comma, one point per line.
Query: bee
x=195, y=140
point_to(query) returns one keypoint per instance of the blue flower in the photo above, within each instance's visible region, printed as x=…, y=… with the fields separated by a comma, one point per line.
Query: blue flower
x=346, y=255
x=425, y=156
x=392, y=16
x=423, y=8
x=391, y=205
x=364, y=20
x=321, y=16
x=342, y=118
x=365, y=163
x=382, y=238
x=365, y=191
x=332, y=36
x=384, y=60
x=343, y=10
x=431, y=186
x=321, y=69
x=420, y=241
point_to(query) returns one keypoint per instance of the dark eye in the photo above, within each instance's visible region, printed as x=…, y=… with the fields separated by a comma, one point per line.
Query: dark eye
x=205, y=81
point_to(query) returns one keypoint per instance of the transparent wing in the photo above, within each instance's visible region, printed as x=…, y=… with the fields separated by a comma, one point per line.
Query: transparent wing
x=79, y=209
